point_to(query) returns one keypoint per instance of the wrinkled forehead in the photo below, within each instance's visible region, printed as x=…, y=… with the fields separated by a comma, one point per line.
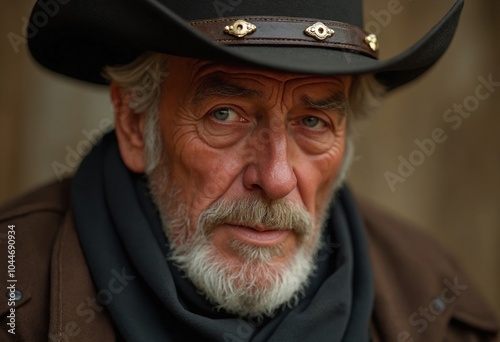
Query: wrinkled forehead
x=204, y=75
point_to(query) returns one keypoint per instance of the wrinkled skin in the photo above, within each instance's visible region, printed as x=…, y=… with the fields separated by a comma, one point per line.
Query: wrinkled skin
x=262, y=138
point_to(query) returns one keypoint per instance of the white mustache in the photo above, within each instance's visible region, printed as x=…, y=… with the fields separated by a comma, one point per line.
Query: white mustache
x=257, y=211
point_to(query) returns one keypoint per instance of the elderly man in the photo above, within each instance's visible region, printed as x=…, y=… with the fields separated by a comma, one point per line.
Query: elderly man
x=216, y=211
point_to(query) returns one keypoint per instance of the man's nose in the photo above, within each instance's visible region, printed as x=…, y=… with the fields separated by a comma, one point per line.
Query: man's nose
x=270, y=170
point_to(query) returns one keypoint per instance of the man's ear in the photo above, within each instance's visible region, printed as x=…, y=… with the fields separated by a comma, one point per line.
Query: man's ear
x=129, y=127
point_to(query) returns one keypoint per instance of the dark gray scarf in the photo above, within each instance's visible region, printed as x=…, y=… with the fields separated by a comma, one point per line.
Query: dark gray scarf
x=120, y=231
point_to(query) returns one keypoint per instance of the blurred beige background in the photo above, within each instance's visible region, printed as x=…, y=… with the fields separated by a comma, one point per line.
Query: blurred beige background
x=454, y=192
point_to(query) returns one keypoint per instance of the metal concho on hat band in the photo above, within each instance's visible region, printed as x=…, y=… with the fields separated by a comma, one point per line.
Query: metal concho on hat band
x=289, y=31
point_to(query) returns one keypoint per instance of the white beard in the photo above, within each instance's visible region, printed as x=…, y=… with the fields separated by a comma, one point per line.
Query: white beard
x=251, y=289
x=252, y=285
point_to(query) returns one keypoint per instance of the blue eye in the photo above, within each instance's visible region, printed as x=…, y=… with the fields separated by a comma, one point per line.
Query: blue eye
x=312, y=122
x=224, y=114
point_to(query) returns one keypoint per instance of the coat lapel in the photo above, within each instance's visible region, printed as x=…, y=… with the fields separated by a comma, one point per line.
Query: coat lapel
x=76, y=313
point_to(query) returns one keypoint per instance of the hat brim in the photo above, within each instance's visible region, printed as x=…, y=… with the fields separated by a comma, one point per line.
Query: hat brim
x=79, y=42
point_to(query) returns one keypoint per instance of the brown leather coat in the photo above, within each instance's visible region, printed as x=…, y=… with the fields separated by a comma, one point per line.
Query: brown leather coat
x=421, y=294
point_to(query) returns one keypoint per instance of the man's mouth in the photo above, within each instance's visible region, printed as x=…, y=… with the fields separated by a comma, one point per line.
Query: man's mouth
x=259, y=234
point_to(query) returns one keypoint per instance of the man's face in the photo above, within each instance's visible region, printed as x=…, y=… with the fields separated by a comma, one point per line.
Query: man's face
x=250, y=159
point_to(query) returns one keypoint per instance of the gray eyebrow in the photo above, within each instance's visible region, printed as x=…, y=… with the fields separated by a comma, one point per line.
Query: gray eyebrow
x=336, y=101
x=216, y=86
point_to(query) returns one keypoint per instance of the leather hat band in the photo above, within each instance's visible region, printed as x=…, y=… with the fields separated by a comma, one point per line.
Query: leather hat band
x=288, y=31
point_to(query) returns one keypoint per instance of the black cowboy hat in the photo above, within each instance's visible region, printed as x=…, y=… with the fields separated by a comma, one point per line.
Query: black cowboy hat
x=78, y=38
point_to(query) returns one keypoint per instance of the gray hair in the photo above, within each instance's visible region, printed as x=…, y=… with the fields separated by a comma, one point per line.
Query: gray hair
x=143, y=79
